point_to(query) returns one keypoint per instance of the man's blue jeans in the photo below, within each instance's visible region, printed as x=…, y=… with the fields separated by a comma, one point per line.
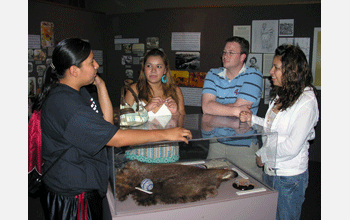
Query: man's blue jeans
x=291, y=194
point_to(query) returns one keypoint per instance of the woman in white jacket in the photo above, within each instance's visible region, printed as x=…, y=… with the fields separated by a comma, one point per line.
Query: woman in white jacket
x=293, y=113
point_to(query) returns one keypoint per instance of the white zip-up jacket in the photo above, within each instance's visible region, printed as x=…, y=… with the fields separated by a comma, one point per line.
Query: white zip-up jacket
x=295, y=127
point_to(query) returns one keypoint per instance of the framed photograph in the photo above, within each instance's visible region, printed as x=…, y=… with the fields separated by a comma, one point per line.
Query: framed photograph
x=31, y=86
x=286, y=27
x=47, y=34
x=152, y=42
x=254, y=60
x=187, y=60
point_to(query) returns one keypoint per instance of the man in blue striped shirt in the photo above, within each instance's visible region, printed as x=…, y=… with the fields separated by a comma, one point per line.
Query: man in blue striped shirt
x=227, y=91
x=233, y=88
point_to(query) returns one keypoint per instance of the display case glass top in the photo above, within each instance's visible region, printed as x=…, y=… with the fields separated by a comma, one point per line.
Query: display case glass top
x=212, y=137
x=205, y=127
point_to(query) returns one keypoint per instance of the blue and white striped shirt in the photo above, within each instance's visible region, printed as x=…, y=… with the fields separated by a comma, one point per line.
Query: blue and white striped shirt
x=246, y=85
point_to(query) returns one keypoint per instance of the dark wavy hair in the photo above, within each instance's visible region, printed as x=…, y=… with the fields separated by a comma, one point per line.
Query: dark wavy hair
x=169, y=88
x=68, y=52
x=296, y=75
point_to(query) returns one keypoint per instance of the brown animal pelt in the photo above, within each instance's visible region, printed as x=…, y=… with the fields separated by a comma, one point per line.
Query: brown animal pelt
x=172, y=183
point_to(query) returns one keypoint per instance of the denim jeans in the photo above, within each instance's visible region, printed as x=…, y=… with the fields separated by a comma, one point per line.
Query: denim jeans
x=291, y=194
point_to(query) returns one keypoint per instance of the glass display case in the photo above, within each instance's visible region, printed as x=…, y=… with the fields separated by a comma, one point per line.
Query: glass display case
x=215, y=140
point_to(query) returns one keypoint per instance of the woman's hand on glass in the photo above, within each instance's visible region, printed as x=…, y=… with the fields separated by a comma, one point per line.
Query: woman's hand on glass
x=178, y=134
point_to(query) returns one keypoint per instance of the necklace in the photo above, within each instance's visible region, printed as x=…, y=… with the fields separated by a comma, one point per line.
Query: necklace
x=272, y=115
x=275, y=108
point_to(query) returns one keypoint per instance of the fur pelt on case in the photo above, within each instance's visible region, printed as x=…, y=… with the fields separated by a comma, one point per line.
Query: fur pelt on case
x=172, y=183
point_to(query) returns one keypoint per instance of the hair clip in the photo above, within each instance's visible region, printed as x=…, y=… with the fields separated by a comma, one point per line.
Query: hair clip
x=52, y=66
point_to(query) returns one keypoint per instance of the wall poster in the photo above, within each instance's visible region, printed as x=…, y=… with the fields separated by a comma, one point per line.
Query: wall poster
x=242, y=31
x=264, y=36
x=286, y=27
x=316, y=58
x=47, y=34
x=186, y=41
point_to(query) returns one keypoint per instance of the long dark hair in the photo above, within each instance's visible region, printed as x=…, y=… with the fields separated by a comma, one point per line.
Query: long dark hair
x=68, y=52
x=169, y=88
x=296, y=75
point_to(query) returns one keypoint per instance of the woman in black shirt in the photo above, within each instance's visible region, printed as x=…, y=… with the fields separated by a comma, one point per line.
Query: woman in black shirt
x=72, y=120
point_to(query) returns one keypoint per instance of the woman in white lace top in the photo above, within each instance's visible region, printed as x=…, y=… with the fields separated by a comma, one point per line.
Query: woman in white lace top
x=293, y=113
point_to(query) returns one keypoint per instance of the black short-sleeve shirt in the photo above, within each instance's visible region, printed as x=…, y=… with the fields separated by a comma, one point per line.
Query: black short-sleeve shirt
x=73, y=120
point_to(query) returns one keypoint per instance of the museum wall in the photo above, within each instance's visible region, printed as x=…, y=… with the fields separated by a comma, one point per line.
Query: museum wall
x=70, y=22
x=215, y=26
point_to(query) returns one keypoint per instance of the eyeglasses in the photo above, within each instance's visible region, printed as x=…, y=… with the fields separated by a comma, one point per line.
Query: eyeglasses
x=230, y=53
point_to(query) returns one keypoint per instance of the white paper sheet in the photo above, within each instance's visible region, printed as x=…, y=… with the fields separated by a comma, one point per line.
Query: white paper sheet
x=186, y=41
